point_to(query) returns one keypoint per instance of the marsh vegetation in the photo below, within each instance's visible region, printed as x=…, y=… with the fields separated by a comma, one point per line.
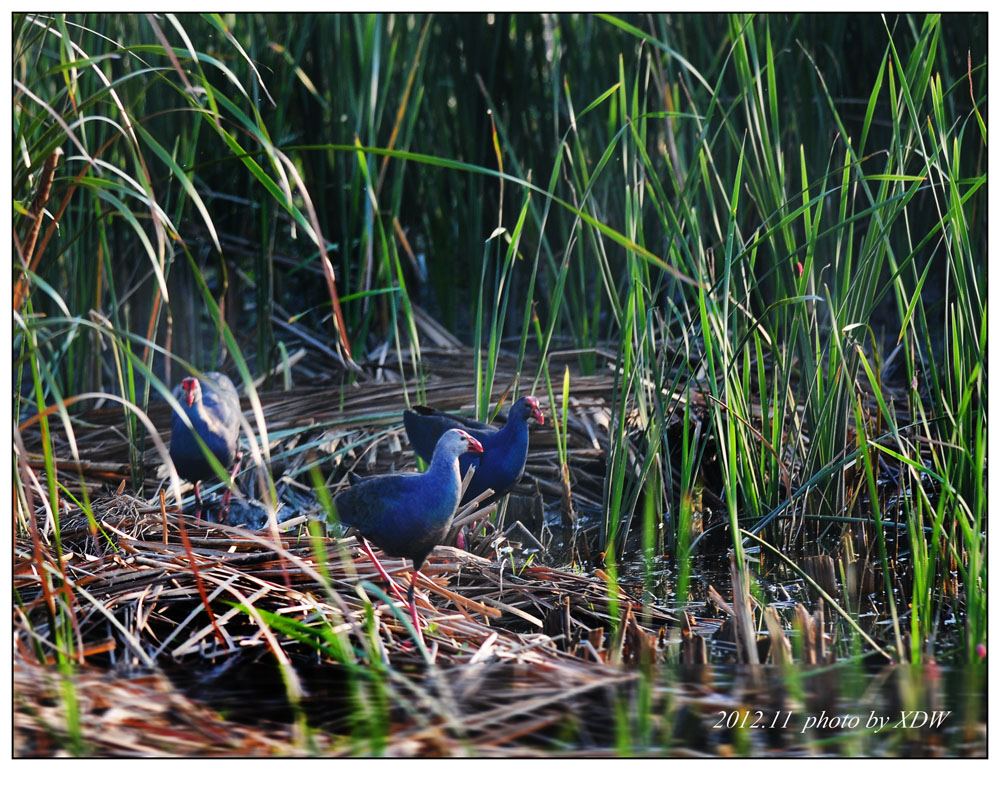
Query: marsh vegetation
x=741, y=259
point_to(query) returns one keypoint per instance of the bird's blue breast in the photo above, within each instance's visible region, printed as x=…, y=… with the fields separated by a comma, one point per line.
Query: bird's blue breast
x=403, y=514
x=499, y=467
x=188, y=458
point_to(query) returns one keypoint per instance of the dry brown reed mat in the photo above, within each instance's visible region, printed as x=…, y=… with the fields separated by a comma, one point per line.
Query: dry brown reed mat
x=364, y=426
x=161, y=566
x=143, y=604
x=146, y=589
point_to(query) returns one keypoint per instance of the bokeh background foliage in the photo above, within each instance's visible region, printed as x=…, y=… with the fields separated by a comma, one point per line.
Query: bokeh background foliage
x=213, y=146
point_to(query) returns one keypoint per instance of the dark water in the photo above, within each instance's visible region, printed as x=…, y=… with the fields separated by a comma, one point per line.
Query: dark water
x=845, y=709
x=840, y=710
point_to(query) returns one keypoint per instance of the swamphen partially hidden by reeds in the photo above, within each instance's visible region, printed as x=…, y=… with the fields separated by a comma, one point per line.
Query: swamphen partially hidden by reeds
x=213, y=407
x=407, y=514
x=504, y=450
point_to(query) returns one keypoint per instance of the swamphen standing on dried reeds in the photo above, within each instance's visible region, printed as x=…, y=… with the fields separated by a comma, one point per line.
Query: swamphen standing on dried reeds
x=504, y=451
x=407, y=514
x=213, y=408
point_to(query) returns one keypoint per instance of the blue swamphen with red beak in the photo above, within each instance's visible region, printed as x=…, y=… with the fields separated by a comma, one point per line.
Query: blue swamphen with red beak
x=407, y=514
x=504, y=450
x=213, y=408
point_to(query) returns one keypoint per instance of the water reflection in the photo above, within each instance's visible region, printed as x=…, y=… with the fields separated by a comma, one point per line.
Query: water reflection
x=845, y=709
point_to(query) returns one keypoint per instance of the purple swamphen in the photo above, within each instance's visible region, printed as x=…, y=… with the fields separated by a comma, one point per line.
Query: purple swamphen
x=407, y=514
x=504, y=450
x=213, y=407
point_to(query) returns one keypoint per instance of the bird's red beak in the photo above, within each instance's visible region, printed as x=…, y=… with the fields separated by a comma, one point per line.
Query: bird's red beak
x=474, y=445
x=536, y=412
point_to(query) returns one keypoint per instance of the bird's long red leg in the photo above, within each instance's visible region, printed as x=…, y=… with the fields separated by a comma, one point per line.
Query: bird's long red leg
x=397, y=590
x=197, y=499
x=224, y=510
x=418, y=621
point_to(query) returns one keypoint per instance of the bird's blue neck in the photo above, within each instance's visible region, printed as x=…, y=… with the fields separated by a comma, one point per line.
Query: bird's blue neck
x=515, y=431
x=444, y=464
